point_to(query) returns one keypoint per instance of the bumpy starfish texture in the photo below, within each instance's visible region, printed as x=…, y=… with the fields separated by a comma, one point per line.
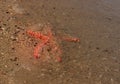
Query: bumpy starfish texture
x=48, y=40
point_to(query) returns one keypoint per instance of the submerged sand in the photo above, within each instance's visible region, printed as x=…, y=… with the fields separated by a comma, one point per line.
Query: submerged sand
x=95, y=60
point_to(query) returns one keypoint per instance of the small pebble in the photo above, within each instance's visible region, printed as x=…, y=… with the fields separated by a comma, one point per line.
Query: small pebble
x=97, y=48
x=14, y=59
x=2, y=29
x=14, y=38
x=2, y=53
x=6, y=66
x=13, y=48
x=42, y=74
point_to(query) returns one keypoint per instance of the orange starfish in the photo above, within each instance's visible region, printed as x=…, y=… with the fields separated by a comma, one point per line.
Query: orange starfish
x=49, y=41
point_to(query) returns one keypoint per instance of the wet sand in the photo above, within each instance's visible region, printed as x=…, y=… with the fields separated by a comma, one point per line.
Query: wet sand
x=94, y=60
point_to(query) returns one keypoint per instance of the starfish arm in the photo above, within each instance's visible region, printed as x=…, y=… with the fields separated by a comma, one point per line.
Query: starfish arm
x=72, y=39
x=38, y=35
x=35, y=34
x=38, y=49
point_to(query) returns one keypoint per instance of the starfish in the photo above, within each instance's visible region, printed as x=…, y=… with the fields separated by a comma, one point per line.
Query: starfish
x=50, y=41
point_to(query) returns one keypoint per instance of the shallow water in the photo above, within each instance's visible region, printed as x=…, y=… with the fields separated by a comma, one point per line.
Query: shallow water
x=95, y=60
